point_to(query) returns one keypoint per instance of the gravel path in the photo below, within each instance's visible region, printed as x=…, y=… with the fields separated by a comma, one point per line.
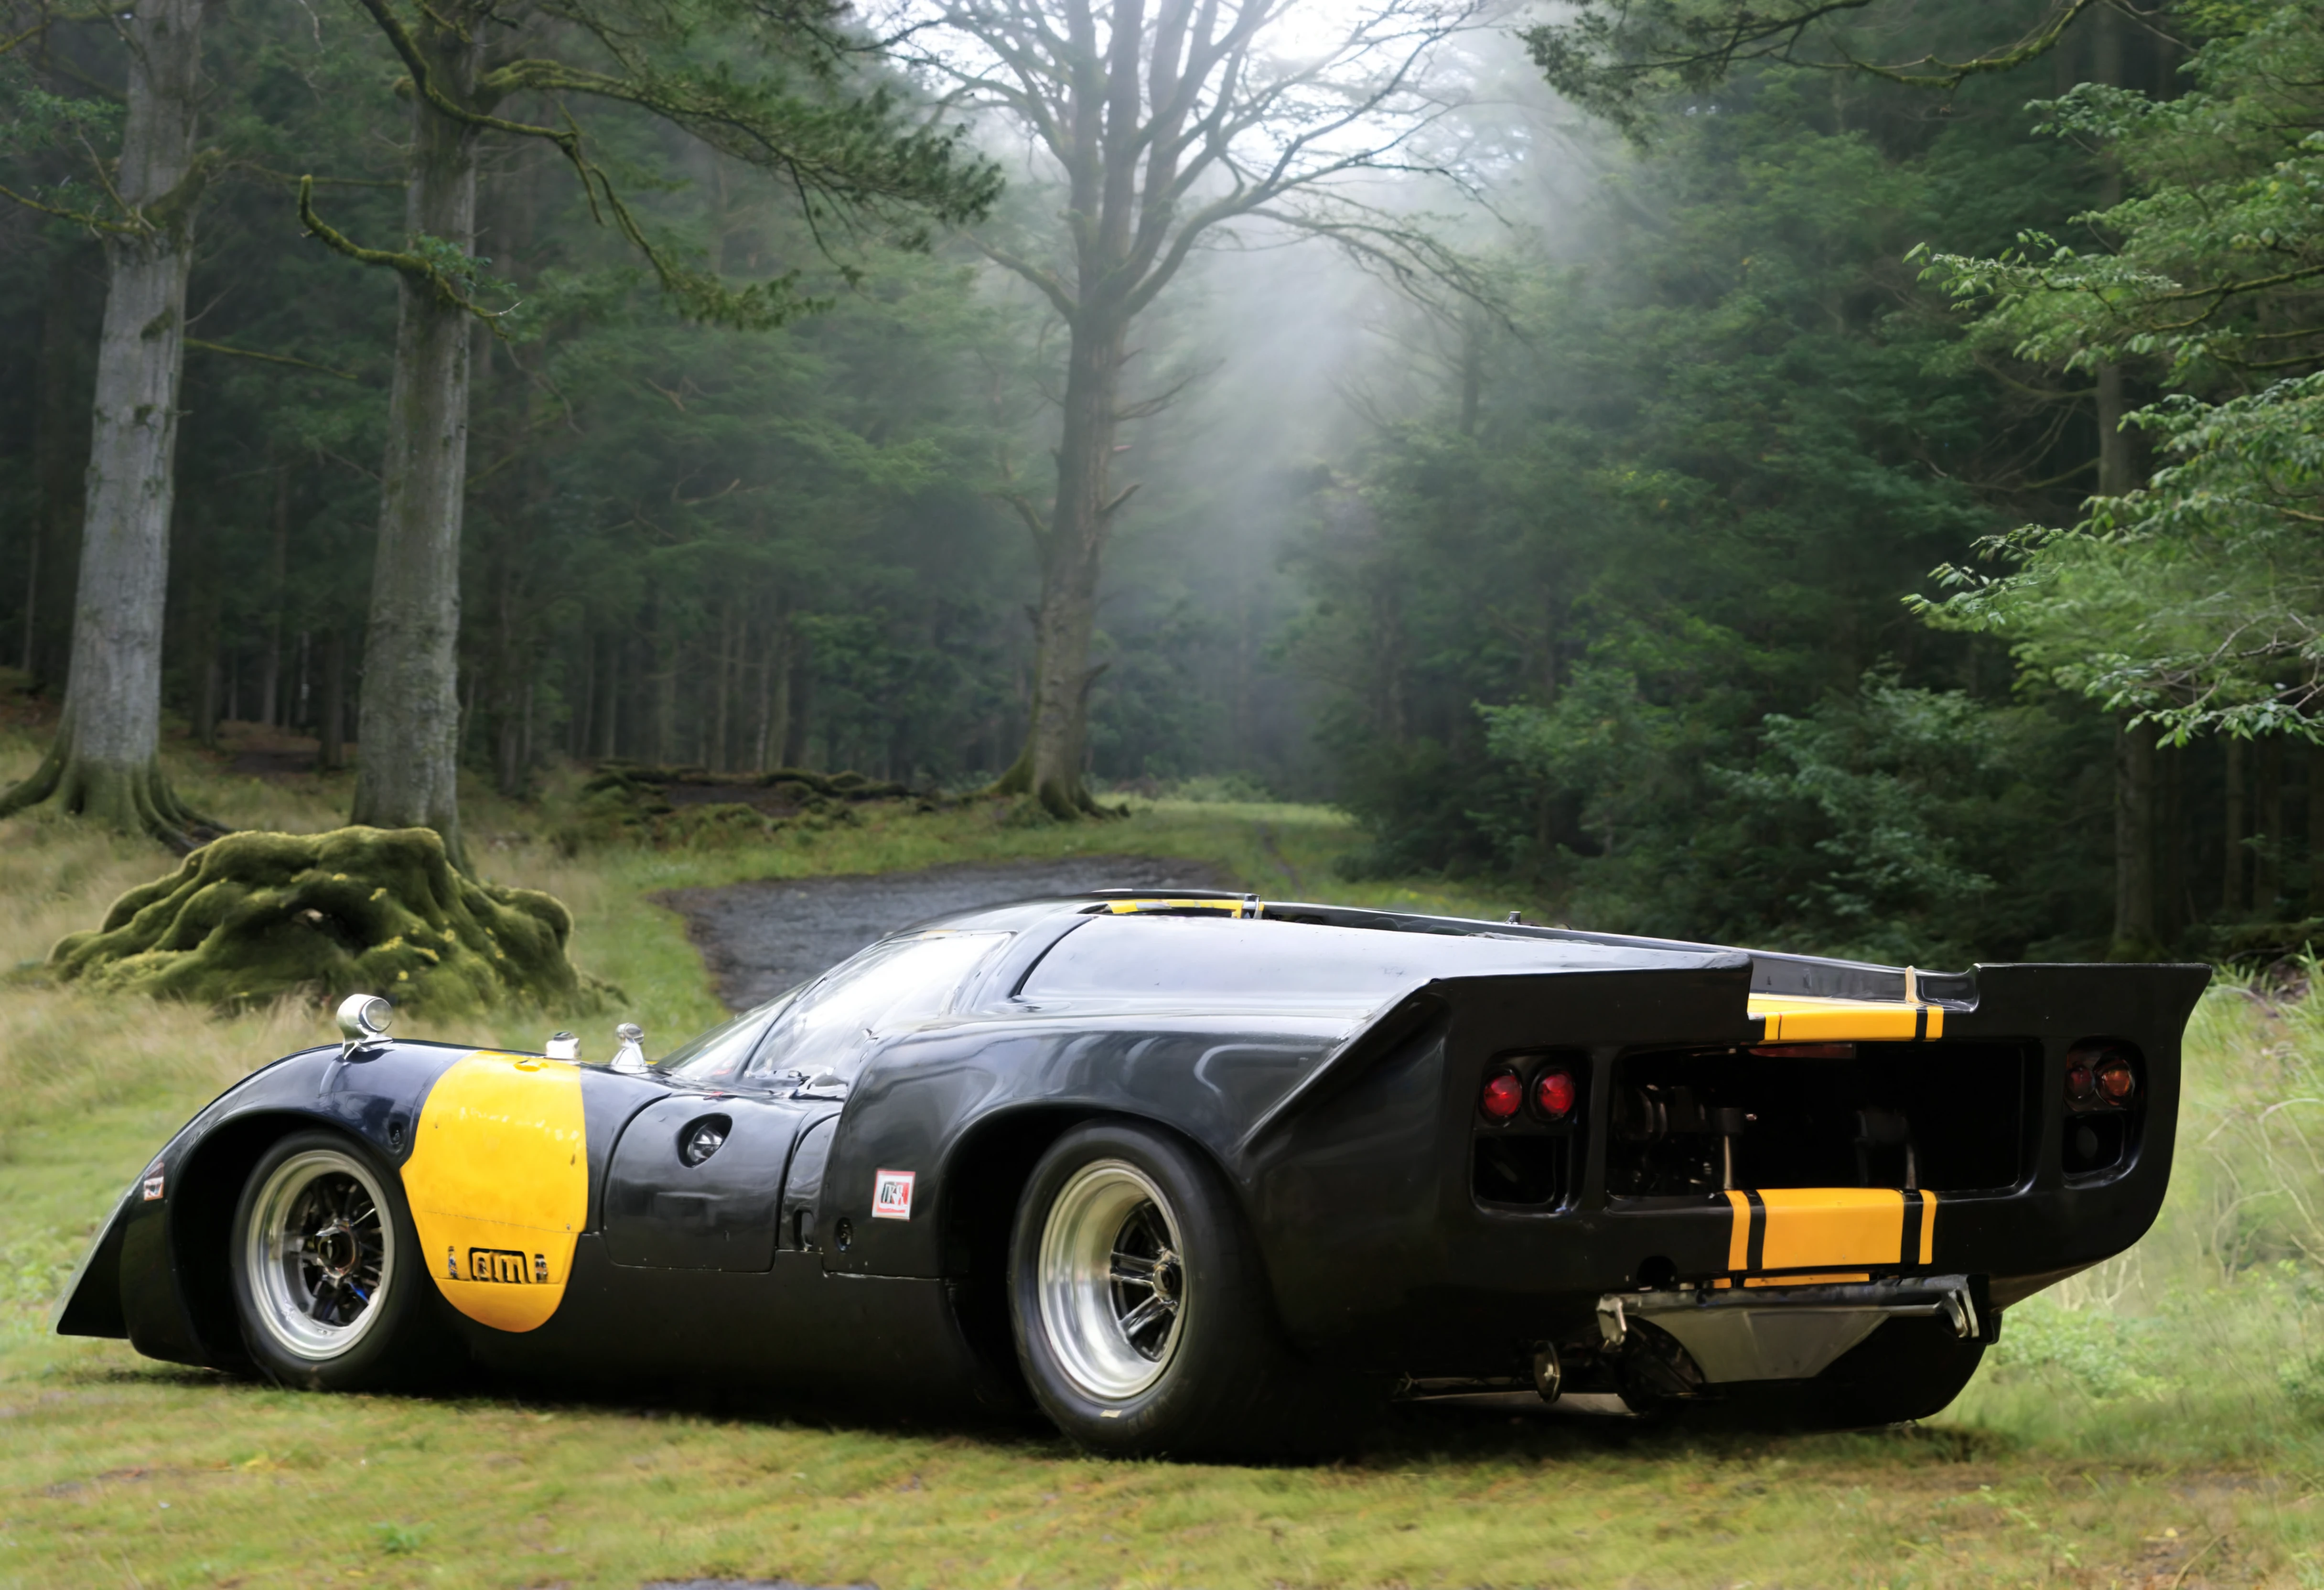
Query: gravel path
x=759, y=939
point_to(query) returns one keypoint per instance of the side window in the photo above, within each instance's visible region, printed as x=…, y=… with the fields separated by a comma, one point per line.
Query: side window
x=892, y=985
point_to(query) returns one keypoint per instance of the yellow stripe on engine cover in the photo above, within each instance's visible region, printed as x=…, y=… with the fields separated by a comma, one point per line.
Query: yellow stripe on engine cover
x=499, y=1185
x=1824, y=1227
x=1799, y=1020
x=1133, y=908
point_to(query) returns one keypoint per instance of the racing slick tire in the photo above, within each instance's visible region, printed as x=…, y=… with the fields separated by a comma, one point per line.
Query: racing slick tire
x=1140, y=1308
x=328, y=1284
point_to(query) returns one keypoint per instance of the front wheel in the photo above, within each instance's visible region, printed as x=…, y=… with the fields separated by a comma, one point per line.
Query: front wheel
x=325, y=1269
x=1139, y=1306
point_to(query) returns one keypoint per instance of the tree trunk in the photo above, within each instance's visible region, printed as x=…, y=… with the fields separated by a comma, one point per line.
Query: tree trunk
x=2316, y=831
x=2268, y=851
x=408, y=729
x=104, y=763
x=333, y=717
x=1474, y=330
x=608, y=743
x=2134, y=935
x=577, y=726
x=270, y=704
x=777, y=733
x=1072, y=548
x=801, y=700
x=32, y=593
x=60, y=463
x=723, y=692
x=2236, y=866
x=2174, y=887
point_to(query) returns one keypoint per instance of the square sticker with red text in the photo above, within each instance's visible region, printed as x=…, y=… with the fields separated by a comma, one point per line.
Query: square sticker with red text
x=891, y=1195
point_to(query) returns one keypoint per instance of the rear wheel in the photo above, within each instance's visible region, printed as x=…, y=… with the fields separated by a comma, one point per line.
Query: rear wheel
x=1139, y=1307
x=326, y=1270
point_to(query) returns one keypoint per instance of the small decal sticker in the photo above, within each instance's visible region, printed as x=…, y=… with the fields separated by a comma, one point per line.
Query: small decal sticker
x=891, y=1195
x=500, y=1265
x=152, y=1185
x=451, y=1267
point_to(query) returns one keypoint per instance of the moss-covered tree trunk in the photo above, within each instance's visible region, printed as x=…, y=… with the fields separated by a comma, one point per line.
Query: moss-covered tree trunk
x=104, y=763
x=408, y=718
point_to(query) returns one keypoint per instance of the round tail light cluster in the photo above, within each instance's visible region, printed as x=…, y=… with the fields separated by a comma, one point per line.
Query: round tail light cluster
x=2099, y=1078
x=1552, y=1094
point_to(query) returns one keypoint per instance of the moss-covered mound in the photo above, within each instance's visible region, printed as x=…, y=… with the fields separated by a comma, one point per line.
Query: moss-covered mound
x=253, y=917
x=693, y=808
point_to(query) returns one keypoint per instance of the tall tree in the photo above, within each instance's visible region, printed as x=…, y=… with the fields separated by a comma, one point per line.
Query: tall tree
x=1165, y=121
x=104, y=763
x=847, y=149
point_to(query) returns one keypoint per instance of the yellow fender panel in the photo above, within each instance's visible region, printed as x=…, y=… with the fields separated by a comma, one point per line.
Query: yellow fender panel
x=499, y=1185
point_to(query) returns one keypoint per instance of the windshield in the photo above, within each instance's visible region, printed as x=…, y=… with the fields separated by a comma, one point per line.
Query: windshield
x=719, y=1054
x=892, y=985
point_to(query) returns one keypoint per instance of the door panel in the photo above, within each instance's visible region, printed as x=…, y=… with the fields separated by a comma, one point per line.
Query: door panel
x=803, y=1188
x=720, y=1214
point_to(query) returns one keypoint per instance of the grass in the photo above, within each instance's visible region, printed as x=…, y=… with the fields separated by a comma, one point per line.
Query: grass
x=2159, y=1422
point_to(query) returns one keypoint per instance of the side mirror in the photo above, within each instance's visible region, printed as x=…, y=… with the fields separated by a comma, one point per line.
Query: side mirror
x=630, y=1056
x=563, y=1046
x=363, y=1019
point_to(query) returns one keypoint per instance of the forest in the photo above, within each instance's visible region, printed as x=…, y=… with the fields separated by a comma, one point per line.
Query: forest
x=1836, y=475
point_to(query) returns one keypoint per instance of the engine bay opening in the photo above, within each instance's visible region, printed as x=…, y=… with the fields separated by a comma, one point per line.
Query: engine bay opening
x=1946, y=1117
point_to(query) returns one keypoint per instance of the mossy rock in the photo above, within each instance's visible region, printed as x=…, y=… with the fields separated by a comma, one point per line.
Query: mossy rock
x=255, y=916
x=718, y=825
x=632, y=803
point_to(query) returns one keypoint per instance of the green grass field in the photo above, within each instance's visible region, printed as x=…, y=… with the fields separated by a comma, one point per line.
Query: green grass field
x=2157, y=1423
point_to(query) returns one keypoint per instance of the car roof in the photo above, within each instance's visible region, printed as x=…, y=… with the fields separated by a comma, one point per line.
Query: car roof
x=1772, y=972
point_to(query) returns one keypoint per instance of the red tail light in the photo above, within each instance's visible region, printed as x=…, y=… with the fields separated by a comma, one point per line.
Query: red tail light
x=1504, y=1097
x=2081, y=1083
x=2115, y=1082
x=1552, y=1094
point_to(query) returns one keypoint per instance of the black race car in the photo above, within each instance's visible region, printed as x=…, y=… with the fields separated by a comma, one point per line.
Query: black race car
x=1198, y=1173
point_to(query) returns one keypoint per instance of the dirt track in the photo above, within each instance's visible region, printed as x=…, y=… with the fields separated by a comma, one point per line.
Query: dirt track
x=759, y=939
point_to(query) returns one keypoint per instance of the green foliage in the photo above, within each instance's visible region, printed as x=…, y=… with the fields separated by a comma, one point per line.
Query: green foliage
x=2189, y=602
x=39, y=120
x=1636, y=634
x=254, y=917
x=2088, y=1351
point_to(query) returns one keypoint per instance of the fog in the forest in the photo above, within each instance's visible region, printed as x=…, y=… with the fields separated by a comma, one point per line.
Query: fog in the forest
x=1559, y=491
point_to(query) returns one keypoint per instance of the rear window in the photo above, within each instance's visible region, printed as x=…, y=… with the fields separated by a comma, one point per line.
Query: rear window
x=1255, y=960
